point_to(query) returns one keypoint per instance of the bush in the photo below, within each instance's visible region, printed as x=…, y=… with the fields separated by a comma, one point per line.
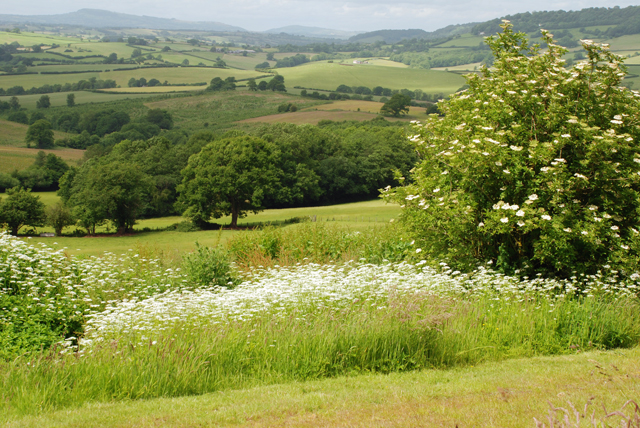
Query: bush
x=209, y=266
x=535, y=167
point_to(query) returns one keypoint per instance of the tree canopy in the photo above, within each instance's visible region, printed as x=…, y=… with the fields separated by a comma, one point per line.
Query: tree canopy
x=21, y=208
x=230, y=176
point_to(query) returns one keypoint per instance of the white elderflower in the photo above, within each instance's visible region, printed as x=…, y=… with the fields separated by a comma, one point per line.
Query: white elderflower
x=520, y=213
x=546, y=217
x=504, y=219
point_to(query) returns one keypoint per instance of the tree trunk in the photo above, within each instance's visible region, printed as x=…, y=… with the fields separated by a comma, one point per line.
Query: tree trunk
x=234, y=216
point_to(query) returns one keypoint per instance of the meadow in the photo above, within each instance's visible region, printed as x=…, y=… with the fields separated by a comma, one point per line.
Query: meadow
x=327, y=76
x=149, y=331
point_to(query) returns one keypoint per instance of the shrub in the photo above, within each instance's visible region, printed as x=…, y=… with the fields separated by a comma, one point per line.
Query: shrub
x=534, y=167
x=209, y=266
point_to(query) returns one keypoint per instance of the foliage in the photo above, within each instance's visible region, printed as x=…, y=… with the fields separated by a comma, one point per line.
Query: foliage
x=534, y=167
x=217, y=84
x=43, y=102
x=58, y=217
x=275, y=84
x=230, y=176
x=208, y=266
x=102, y=190
x=43, y=174
x=41, y=134
x=397, y=105
x=21, y=208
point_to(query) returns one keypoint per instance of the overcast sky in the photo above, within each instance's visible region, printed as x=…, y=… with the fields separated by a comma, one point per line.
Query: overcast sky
x=355, y=15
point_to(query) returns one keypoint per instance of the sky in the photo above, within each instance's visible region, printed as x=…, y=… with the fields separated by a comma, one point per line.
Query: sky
x=354, y=15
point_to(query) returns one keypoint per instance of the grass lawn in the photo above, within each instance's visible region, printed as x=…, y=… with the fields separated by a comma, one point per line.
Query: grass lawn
x=497, y=394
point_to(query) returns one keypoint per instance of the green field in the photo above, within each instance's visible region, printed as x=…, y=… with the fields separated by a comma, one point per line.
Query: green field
x=19, y=158
x=30, y=39
x=220, y=110
x=13, y=134
x=328, y=76
x=625, y=43
x=354, y=215
x=466, y=40
x=84, y=97
x=177, y=74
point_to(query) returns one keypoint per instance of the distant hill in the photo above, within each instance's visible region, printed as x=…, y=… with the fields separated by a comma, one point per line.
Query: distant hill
x=97, y=18
x=394, y=36
x=624, y=21
x=299, y=30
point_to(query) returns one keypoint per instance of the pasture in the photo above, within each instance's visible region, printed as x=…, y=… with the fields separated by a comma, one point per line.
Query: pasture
x=355, y=215
x=177, y=74
x=86, y=97
x=14, y=134
x=337, y=111
x=19, y=158
x=328, y=76
x=222, y=109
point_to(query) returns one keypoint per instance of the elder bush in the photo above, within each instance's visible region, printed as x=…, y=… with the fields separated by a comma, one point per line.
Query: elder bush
x=535, y=167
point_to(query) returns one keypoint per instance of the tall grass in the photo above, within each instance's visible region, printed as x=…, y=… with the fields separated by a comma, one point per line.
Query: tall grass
x=318, y=243
x=313, y=321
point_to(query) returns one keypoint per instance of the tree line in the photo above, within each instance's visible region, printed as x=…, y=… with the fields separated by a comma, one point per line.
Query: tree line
x=208, y=176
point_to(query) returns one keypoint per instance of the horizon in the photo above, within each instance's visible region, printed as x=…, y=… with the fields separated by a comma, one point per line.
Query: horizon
x=330, y=14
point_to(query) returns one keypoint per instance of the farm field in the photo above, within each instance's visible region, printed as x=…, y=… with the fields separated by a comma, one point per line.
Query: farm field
x=337, y=111
x=86, y=97
x=506, y=394
x=220, y=109
x=153, y=89
x=177, y=74
x=18, y=158
x=14, y=134
x=328, y=76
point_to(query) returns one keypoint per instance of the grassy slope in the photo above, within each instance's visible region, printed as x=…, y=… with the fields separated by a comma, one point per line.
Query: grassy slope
x=337, y=111
x=503, y=394
x=324, y=75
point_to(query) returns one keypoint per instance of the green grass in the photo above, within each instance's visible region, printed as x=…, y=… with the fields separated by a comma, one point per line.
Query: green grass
x=220, y=110
x=506, y=394
x=14, y=134
x=625, y=43
x=78, y=67
x=177, y=74
x=19, y=158
x=355, y=215
x=466, y=40
x=82, y=97
x=328, y=76
x=30, y=39
x=28, y=81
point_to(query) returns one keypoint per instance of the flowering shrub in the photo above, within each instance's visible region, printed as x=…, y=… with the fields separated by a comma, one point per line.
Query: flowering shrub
x=534, y=167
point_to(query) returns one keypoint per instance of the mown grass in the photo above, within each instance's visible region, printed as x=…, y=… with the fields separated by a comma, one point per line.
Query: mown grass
x=507, y=394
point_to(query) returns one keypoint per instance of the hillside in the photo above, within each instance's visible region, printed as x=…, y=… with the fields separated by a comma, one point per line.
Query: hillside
x=105, y=19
